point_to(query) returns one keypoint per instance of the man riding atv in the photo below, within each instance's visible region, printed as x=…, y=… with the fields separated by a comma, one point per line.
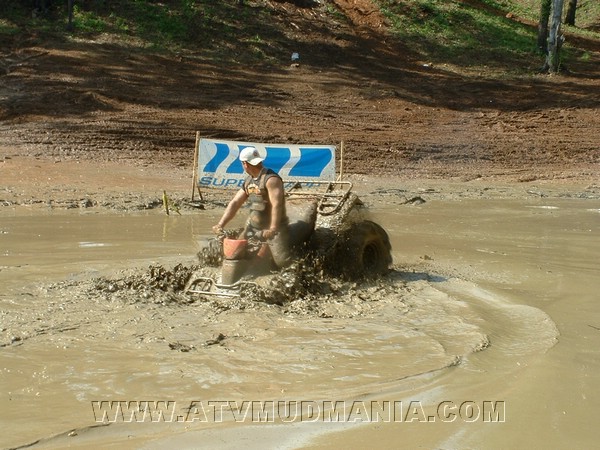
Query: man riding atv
x=329, y=230
x=268, y=218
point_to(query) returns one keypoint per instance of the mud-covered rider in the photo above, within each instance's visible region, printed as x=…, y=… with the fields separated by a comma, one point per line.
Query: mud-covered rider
x=267, y=218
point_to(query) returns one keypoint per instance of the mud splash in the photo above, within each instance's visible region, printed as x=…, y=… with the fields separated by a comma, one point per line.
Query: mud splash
x=355, y=338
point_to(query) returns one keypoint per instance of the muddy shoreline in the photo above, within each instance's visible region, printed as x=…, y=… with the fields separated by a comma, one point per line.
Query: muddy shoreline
x=41, y=184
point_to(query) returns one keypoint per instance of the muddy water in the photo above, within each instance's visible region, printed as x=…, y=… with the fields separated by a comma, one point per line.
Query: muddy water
x=492, y=304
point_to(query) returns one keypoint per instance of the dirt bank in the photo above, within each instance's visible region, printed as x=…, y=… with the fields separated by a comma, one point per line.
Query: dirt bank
x=79, y=100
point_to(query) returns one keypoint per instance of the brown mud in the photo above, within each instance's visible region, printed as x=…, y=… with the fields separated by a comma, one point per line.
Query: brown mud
x=479, y=308
x=81, y=100
x=488, y=187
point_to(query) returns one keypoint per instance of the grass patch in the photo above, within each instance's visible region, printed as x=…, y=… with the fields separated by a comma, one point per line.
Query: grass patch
x=170, y=25
x=452, y=31
x=587, y=17
x=465, y=34
x=7, y=28
x=471, y=34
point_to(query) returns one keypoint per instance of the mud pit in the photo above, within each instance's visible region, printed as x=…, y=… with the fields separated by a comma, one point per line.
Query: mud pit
x=480, y=309
x=493, y=296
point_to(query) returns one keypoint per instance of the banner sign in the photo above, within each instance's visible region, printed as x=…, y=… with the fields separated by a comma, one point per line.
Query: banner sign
x=219, y=166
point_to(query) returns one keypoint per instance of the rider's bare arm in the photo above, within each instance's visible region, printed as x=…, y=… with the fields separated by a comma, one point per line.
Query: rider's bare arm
x=275, y=189
x=232, y=208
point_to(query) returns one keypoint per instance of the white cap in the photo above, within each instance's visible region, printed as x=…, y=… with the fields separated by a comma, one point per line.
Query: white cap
x=251, y=156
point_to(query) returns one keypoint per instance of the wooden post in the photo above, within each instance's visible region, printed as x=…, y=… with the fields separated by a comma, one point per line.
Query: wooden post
x=341, y=175
x=195, y=169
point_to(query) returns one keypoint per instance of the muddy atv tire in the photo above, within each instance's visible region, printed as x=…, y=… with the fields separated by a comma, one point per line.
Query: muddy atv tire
x=364, y=252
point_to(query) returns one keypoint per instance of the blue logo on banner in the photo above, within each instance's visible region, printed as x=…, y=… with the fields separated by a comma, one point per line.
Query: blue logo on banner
x=220, y=155
x=311, y=163
x=277, y=157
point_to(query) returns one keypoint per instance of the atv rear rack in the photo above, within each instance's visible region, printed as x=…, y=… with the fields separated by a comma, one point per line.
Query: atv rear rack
x=330, y=194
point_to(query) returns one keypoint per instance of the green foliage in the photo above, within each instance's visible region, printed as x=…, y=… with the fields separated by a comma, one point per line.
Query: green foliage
x=474, y=33
x=14, y=14
x=470, y=34
x=587, y=18
x=7, y=28
x=447, y=30
x=163, y=25
x=89, y=22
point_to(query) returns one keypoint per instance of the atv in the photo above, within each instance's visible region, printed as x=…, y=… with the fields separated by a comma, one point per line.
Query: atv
x=329, y=228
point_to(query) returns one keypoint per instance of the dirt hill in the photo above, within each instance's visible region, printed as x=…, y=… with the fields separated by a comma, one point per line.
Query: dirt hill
x=92, y=98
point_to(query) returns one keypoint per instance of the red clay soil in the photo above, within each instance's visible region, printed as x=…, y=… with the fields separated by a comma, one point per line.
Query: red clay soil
x=94, y=100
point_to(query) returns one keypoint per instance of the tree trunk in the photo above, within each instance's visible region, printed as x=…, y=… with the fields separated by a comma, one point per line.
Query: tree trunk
x=542, y=37
x=554, y=38
x=70, y=15
x=570, y=17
